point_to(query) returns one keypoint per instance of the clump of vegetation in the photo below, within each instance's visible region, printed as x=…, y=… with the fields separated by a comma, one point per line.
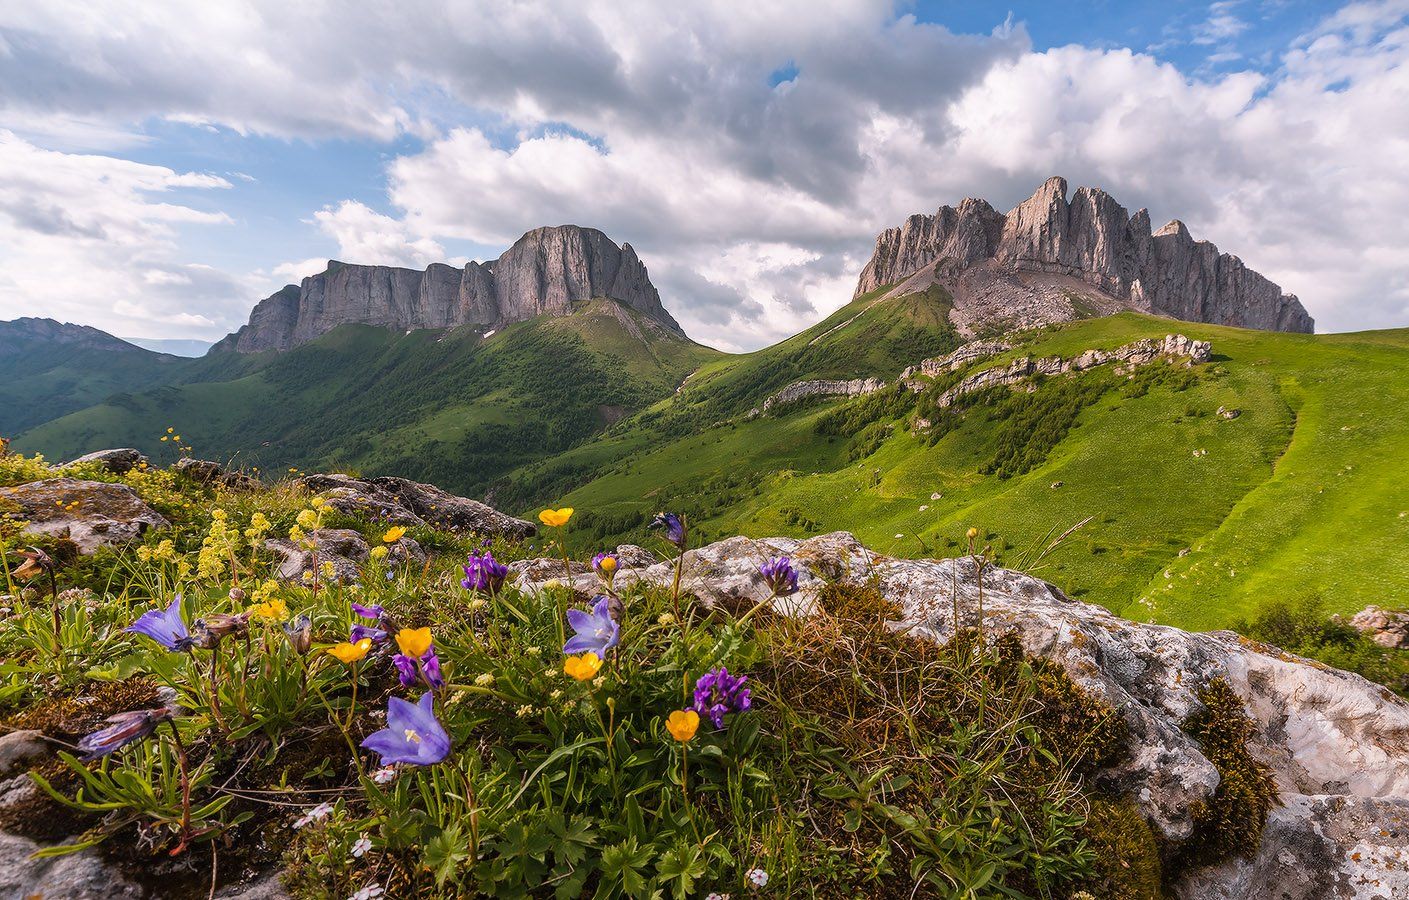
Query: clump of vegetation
x=1230, y=823
x=1301, y=626
x=427, y=730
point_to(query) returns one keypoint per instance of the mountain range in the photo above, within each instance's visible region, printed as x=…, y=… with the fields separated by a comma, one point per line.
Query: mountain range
x=554, y=374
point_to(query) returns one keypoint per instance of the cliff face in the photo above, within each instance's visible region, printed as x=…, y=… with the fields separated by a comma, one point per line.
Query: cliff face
x=25, y=333
x=544, y=272
x=1032, y=261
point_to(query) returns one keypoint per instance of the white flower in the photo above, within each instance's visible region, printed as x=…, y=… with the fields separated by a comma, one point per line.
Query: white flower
x=599, y=681
x=757, y=877
x=370, y=892
x=478, y=604
x=524, y=712
x=715, y=895
x=555, y=694
x=384, y=775
x=316, y=814
x=361, y=845
x=665, y=619
x=484, y=679
x=533, y=651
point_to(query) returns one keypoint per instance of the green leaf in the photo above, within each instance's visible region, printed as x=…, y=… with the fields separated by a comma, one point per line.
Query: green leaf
x=445, y=852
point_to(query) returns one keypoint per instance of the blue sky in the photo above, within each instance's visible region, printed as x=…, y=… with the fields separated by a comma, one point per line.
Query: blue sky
x=161, y=172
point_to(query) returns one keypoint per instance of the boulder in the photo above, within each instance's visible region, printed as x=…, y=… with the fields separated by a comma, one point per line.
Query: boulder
x=203, y=471
x=344, y=548
x=18, y=748
x=92, y=514
x=79, y=876
x=1338, y=745
x=400, y=501
x=1387, y=627
x=119, y=461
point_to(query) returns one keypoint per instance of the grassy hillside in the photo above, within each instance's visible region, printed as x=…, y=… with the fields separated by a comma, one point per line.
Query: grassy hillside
x=458, y=408
x=1194, y=519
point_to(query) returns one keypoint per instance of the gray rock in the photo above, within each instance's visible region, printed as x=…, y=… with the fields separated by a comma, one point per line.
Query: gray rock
x=91, y=513
x=346, y=550
x=203, y=471
x=1048, y=258
x=1337, y=744
x=546, y=271
x=354, y=497
x=266, y=887
x=803, y=389
x=77, y=876
x=118, y=461
x=400, y=501
x=1387, y=627
x=18, y=748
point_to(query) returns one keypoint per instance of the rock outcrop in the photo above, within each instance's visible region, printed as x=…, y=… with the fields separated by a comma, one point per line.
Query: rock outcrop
x=1337, y=744
x=118, y=461
x=400, y=501
x=803, y=389
x=19, y=335
x=1050, y=260
x=335, y=554
x=545, y=272
x=92, y=514
x=1136, y=353
x=966, y=355
x=1389, y=628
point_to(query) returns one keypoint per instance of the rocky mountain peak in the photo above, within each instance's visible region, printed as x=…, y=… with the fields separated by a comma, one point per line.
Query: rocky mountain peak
x=545, y=272
x=1050, y=260
x=29, y=329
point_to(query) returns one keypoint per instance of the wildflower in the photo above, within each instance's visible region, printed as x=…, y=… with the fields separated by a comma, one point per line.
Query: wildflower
x=361, y=845
x=554, y=694
x=368, y=612
x=665, y=619
x=674, y=527
x=582, y=667
x=123, y=729
x=478, y=604
x=274, y=610
x=757, y=877
x=300, y=634
x=971, y=534
x=307, y=519
x=360, y=631
x=413, y=734
x=414, y=641
x=523, y=712
x=597, y=631
x=207, y=633
x=717, y=692
x=370, y=892
x=599, y=681
x=605, y=565
x=484, y=679
x=535, y=650
x=682, y=724
x=484, y=573
x=555, y=518
x=378, y=553
x=166, y=627
x=36, y=562
x=349, y=652
x=393, y=534
x=384, y=775
x=715, y=895
x=316, y=814
x=780, y=576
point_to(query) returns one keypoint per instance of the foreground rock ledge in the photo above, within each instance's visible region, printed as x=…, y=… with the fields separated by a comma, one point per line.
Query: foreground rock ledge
x=92, y=514
x=1338, y=744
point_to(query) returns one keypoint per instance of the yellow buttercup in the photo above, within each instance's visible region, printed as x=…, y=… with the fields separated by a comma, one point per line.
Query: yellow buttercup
x=582, y=667
x=414, y=642
x=350, y=653
x=682, y=724
x=394, y=534
x=555, y=518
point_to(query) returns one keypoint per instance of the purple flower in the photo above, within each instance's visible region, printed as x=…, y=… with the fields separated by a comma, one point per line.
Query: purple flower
x=717, y=692
x=413, y=734
x=360, y=631
x=596, y=631
x=484, y=573
x=428, y=667
x=778, y=573
x=166, y=627
x=300, y=634
x=368, y=612
x=123, y=729
x=674, y=527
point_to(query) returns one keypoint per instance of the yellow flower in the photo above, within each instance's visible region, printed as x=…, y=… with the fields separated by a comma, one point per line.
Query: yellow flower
x=682, y=724
x=393, y=534
x=414, y=642
x=607, y=565
x=379, y=553
x=307, y=519
x=171, y=431
x=972, y=533
x=274, y=609
x=164, y=438
x=351, y=653
x=555, y=518
x=582, y=667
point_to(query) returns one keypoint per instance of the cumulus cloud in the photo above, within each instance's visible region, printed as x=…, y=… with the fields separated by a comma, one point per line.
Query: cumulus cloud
x=754, y=204
x=95, y=239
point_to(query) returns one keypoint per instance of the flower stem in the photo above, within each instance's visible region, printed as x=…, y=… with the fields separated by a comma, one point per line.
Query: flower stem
x=185, y=832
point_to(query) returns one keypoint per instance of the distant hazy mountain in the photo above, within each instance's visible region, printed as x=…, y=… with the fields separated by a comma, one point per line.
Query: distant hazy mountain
x=173, y=346
x=1049, y=260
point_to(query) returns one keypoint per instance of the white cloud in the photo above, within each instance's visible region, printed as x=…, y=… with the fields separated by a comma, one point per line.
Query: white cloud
x=366, y=236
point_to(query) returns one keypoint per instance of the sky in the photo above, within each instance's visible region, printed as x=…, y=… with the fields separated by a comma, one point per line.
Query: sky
x=165, y=165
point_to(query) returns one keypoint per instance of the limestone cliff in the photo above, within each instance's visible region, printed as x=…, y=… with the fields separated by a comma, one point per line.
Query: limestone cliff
x=1050, y=260
x=545, y=272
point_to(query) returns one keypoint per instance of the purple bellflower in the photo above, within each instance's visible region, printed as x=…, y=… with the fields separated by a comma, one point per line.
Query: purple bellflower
x=123, y=729
x=413, y=734
x=369, y=612
x=484, y=573
x=778, y=573
x=673, y=525
x=717, y=693
x=165, y=626
x=427, y=666
x=597, y=630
